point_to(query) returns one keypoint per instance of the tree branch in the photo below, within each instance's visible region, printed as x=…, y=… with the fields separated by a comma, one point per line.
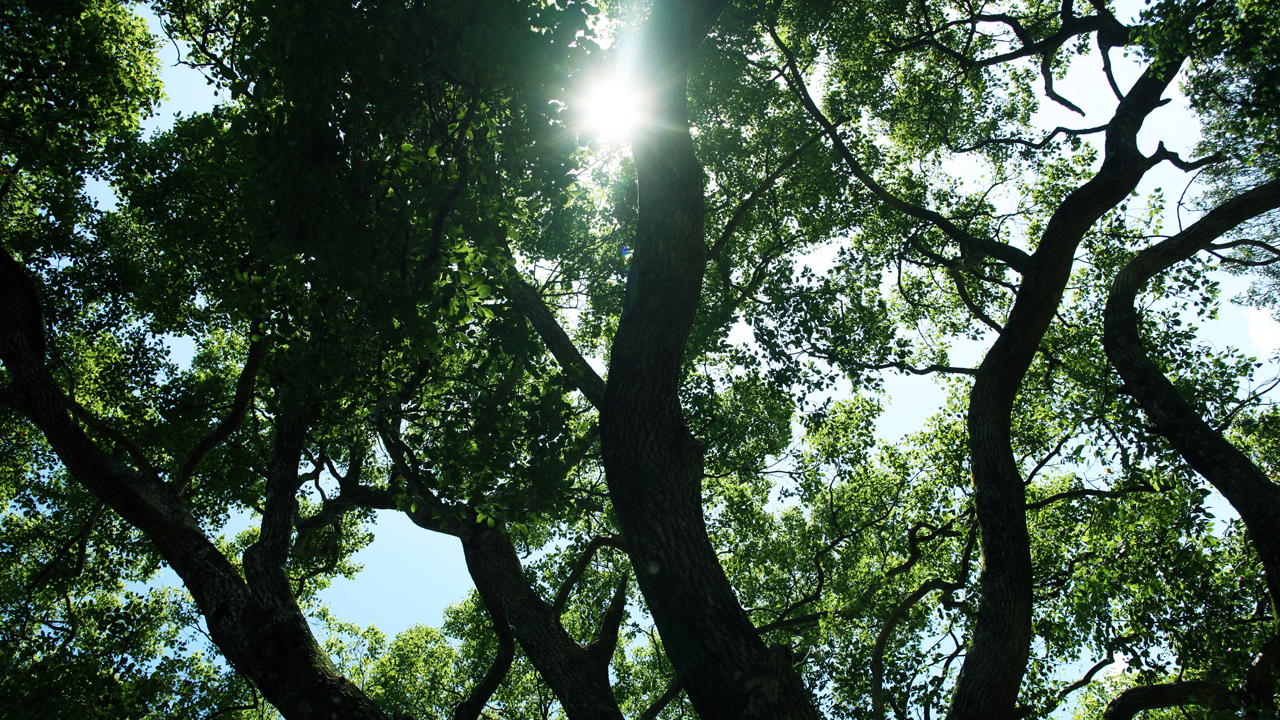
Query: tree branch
x=239, y=406
x=562, y=597
x=674, y=688
x=886, y=630
x=1011, y=256
x=471, y=706
x=530, y=303
x=746, y=205
x=1153, y=697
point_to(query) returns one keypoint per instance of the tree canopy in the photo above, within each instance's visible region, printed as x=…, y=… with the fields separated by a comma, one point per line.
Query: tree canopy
x=638, y=384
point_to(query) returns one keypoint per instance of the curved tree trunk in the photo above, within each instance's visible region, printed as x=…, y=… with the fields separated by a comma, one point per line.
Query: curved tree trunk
x=579, y=676
x=1225, y=466
x=255, y=622
x=653, y=464
x=987, y=688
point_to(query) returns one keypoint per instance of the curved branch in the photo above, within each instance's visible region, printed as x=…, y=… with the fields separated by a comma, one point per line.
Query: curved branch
x=562, y=597
x=877, y=653
x=1073, y=494
x=988, y=684
x=1153, y=697
x=1011, y=256
x=290, y=669
x=741, y=213
x=1225, y=466
x=81, y=538
x=239, y=406
x=471, y=707
x=1040, y=145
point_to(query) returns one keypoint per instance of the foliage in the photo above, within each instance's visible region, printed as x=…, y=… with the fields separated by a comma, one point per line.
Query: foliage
x=386, y=246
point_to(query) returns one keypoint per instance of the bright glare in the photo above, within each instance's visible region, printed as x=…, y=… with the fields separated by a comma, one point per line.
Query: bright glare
x=612, y=111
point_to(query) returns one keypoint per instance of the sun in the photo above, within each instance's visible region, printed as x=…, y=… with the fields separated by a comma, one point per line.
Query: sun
x=612, y=110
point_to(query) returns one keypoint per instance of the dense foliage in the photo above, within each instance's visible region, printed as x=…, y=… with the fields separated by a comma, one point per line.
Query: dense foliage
x=402, y=252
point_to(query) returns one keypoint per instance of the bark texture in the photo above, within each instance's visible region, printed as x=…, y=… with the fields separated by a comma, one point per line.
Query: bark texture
x=1225, y=466
x=989, y=680
x=653, y=464
x=255, y=621
x=579, y=676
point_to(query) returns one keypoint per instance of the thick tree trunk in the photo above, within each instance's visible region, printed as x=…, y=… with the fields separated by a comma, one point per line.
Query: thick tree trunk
x=1229, y=470
x=653, y=463
x=262, y=633
x=989, y=680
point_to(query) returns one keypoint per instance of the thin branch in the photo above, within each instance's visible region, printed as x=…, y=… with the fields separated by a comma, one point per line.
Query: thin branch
x=1073, y=494
x=584, y=560
x=530, y=303
x=437, y=226
x=1088, y=678
x=1046, y=69
x=914, y=539
x=1106, y=70
x=973, y=308
x=239, y=406
x=81, y=538
x=877, y=654
x=1040, y=145
x=96, y=424
x=1011, y=256
x=746, y=205
x=899, y=366
x=671, y=693
x=1162, y=153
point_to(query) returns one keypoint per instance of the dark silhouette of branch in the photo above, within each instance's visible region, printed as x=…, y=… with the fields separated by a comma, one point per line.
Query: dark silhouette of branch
x=562, y=597
x=886, y=630
x=433, y=254
x=1073, y=494
x=1088, y=678
x=914, y=539
x=1039, y=145
x=99, y=426
x=81, y=538
x=1011, y=256
x=471, y=706
x=530, y=303
x=606, y=642
x=671, y=693
x=239, y=406
x=740, y=214
x=1152, y=697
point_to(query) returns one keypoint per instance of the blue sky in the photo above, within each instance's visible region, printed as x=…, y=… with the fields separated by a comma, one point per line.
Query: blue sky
x=410, y=575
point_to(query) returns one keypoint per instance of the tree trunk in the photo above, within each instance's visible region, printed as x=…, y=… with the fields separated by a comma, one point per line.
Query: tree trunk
x=989, y=680
x=579, y=676
x=1229, y=470
x=262, y=634
x=653, y=463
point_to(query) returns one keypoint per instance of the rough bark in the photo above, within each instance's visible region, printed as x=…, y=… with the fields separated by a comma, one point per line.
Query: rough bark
x=1225, y=466
x=653, y=464
x=262, y=633
x=579, y=676
x=987, y=687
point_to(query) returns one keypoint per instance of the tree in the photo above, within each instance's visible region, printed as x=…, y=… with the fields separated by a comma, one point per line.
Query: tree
x=376, y=246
